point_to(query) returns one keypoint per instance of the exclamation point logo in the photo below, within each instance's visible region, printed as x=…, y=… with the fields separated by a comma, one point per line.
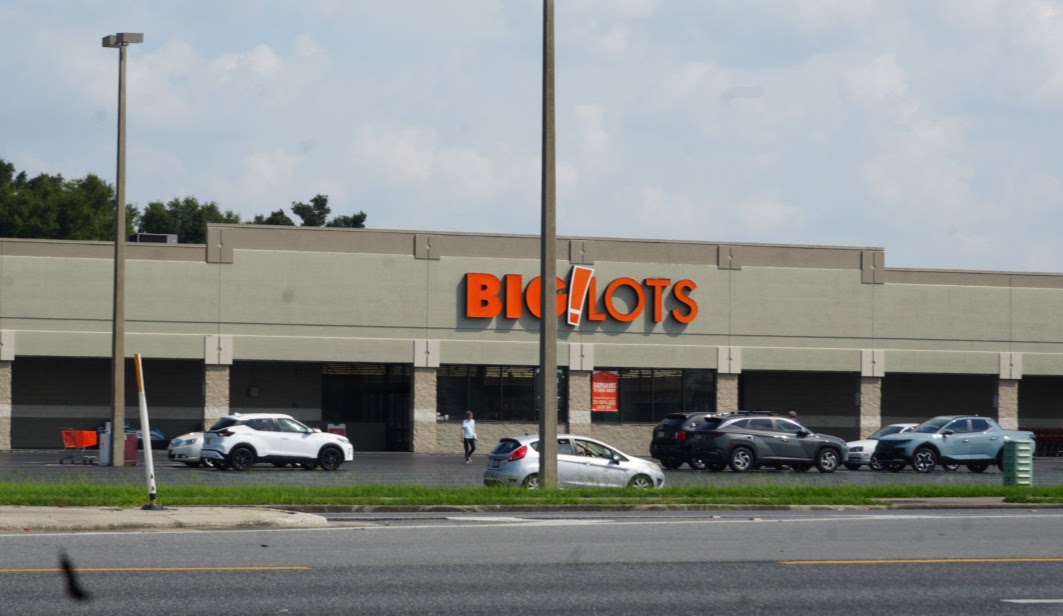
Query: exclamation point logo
x=578, y=284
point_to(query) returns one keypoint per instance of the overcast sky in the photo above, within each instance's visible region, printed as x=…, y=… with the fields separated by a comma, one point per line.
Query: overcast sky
x=931, y=129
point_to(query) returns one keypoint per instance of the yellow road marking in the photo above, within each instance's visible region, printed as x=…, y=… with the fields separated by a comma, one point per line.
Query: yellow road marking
x=135, y=569
x=920, y=561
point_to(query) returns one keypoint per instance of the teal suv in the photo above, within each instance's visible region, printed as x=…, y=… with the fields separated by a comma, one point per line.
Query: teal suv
x=977, y=442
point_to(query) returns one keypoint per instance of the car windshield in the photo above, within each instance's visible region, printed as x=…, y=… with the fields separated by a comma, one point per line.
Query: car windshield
x=884, y=431
x=931, y=426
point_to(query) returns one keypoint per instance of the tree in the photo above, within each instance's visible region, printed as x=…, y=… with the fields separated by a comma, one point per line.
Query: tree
x=187, y=218
x=276, y=218
x=49, y=207
x=356, y=221
x=314, y=214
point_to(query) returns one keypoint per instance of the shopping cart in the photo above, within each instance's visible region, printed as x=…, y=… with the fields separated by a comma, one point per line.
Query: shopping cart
x=75, y=442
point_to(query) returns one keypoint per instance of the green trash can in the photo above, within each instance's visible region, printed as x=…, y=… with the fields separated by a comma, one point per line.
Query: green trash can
x=1018, y=463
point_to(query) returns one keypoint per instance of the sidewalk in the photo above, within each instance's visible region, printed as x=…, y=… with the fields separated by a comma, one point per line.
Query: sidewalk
x=67, y=519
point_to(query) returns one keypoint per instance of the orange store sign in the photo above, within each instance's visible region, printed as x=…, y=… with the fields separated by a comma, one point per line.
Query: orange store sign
x=487, y=296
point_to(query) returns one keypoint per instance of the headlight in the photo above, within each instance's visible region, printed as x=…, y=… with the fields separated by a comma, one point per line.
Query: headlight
x=856, y=449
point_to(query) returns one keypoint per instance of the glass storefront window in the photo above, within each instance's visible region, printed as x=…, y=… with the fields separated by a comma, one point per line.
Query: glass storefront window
x=493, y=393
x=647, y=395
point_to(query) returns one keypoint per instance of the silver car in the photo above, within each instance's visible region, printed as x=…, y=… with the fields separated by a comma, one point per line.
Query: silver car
x=581, y=461
x=186, y=448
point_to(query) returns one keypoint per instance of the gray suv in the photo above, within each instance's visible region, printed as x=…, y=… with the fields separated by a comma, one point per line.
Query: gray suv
x=746, y=440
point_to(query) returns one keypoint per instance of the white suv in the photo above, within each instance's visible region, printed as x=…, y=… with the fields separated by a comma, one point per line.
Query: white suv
x=239, y=441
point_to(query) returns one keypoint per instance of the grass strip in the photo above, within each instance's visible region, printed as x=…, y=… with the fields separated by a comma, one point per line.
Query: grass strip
x=84, y=495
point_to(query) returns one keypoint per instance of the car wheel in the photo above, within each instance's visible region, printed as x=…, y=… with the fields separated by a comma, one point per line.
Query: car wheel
x=950, y=467
x=532, y=482
x=874, y=464
x=895, y=467
x=852, y=467
x=697, y=464
x=741, y=460
x=924, y=460
x=977, y=468
x=641, y=482
x=827, y=460
x=671, y=463
x=330, y=458
x=241, y=459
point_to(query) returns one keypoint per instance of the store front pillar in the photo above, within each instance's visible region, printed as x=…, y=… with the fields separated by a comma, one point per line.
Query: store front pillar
x=579, y=401
x=1008, y=404
x=870, y=405
x=5, y=405
x=425, y=403
x=726, y=392
x=216, y=393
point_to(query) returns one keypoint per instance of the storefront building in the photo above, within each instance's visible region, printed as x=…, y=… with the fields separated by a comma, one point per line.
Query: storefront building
x=395, y=334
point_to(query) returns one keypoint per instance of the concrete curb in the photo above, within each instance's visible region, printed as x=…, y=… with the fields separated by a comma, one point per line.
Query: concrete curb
x=65, y=519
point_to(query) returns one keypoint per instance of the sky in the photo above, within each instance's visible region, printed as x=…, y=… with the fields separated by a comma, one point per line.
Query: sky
x=933, y=130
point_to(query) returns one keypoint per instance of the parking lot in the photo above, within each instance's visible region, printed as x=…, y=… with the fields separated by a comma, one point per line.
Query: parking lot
x=449, y=470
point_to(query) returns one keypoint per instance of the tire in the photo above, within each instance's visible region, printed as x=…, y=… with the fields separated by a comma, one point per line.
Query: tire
x=895, y=467
x=330, y=458
x=977, y=468
x=874, y=464
x=741, y=460
x=241, y=458
x=924, y=460
x=697, y=464
x=642, y=482
x=852, y=467
x=950, y=467
x=671, y=463
x=827, y=460
x=532, y=482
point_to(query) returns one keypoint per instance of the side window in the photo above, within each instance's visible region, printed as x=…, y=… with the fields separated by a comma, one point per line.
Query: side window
x=594, y=450
x=290, y=425
x=741, y=424
x=959, y=426
x=261, y=424
x=760, y=423
x=564, y=446
x=979, y=425
x=785, y=425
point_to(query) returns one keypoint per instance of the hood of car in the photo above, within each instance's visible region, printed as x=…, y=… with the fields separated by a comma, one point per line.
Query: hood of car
x=866, y=443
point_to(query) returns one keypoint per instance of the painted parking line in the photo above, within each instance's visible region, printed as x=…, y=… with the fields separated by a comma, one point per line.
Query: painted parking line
x=152, y=569
x=920, y=561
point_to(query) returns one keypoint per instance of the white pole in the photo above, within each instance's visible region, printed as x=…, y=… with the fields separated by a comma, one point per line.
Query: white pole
x=145, y=432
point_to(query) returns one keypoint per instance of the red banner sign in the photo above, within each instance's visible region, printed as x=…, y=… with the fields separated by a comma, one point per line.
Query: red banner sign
x=603, y=392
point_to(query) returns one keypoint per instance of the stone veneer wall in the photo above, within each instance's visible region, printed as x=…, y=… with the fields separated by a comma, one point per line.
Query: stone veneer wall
x=1008, y=404
x=216, y=400
x=726, y=392
x=870, y=405
x=5, y=405
x=425, y=433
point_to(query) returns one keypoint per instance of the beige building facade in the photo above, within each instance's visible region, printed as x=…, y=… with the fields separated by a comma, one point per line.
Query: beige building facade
x=395, y=334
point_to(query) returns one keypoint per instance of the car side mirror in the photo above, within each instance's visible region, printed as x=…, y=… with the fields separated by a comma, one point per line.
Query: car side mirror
x=315, y=429
x=803, y=433
x=947, y=433
x=616, y=458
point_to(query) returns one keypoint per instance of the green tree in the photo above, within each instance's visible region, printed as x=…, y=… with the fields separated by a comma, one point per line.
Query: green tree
x=314, y=214
x=49, y=207
x=276, y=218
x=356, y=221
x=187, y=218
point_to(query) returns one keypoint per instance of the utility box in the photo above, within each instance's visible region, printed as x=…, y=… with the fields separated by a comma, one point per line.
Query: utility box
x=131, y=450
x=1018, y=463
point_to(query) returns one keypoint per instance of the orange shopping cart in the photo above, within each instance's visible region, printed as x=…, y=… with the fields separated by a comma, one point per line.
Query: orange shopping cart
x=75, y=442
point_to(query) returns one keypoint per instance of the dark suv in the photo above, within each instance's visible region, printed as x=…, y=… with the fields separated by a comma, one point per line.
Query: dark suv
x=746, y=440
x=670, y=437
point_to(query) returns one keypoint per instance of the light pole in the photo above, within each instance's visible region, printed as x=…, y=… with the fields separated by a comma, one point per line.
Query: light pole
x=548, y=267
x=120, y=41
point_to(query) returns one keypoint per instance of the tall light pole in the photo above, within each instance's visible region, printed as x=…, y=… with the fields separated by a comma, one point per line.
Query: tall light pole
x=548, y=268
x=120, y=41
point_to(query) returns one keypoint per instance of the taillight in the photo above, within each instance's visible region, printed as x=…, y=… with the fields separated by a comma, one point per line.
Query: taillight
x=518, y=454
x=223, y=432
x=680, y=436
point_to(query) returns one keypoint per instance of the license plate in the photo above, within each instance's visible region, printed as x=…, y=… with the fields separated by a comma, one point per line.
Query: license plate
x=496, y=463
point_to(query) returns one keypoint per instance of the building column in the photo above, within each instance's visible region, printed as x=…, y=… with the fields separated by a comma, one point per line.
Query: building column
x=5, y=405
x=726, y=392
x=870, y=405
x=425, y=434
x=216, y=390
x=1008, y=404
x=579, y=402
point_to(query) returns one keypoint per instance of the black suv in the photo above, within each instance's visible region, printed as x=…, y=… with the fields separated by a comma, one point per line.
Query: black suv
x=671, y=435
x=746, y=440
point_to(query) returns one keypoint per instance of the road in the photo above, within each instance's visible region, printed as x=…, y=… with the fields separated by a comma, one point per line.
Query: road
x=959, y=562
x=449, y=470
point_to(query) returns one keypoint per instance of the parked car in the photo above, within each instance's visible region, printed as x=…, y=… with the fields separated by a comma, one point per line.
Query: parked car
x=746, y=440
x=241, y=441
x=581, y=461
x=671, y=435
x=862, y=452
x=158, y=438
x=977, y=442
x=187, y=448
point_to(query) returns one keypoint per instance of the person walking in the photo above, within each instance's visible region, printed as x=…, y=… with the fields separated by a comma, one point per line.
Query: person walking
x=468, y=435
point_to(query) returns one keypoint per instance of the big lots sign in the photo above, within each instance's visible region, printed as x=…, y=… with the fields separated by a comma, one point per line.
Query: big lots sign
x=488, y=296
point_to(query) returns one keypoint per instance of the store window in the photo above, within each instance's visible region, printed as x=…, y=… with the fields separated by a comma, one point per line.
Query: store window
x=494, y=393
x=647, y=395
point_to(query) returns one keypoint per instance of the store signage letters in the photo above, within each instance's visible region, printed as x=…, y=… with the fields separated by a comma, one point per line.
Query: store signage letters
x=487, y=296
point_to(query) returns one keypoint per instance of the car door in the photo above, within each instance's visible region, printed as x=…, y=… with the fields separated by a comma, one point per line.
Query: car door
x=570, y=467
x=983, y=441
x=787, y=443
x=761, y=431
x=297, y=440
x=266, y=436
x=599, y=467
x=957, y=445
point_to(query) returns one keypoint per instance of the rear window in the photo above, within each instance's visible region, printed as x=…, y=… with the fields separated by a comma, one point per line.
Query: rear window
x=710, y=423
x=225, y=422
x=505, y=445
x=672, y=423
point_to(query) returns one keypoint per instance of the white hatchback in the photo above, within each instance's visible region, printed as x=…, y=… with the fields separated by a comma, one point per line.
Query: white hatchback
x=241, y=441
x=862, y=452
x=581, y=461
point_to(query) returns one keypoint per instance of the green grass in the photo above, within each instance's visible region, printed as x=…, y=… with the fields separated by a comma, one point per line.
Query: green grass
x=81, y=495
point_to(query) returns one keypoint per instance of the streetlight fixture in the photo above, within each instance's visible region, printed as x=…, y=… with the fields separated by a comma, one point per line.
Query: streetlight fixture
x=120, y=41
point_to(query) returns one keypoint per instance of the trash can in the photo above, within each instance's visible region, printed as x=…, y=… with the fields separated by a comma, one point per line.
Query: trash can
x=1018, y=463
x=131, y=450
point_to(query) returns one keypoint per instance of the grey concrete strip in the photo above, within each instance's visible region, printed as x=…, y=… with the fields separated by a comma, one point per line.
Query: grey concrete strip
x=60, y=519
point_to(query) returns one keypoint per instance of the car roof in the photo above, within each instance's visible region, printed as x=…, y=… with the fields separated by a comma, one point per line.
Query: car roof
x=258, y=416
